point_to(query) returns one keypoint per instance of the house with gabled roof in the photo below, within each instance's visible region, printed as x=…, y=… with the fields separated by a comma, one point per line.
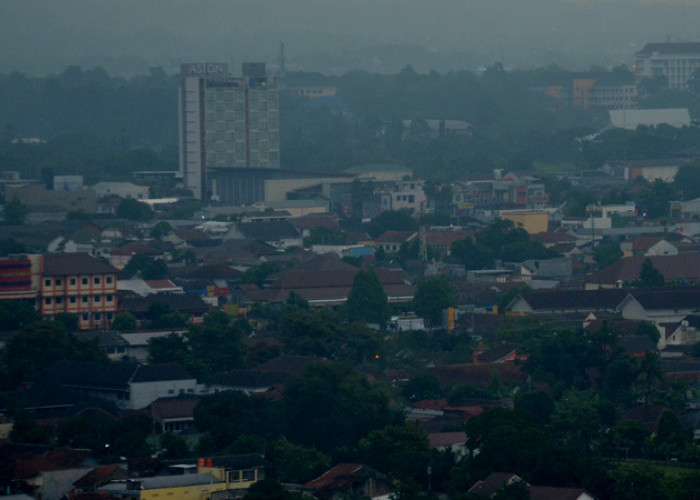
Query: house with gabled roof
x=687, y=371
x=47, y=476
x=391, y=241
x=119, y=257
x=502, y=353
x=683, y=332
x=175, y=414
x=439, y=242
x=187, y=238
x=136, y=343
x=557, y=240
x=495, y=481
x=129, y=385
x=140, y=288
x=191, y=305
x=96, y=477
x=280, y=234
x=455, y=442
x=325, y=280
x=247, y=381
x=647, y=246
x=681, y=267
x=566, y=301
x=660, y=305
x=346, y=478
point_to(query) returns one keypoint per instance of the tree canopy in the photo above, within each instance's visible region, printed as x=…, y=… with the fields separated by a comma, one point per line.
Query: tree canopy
x=329, y=405
x=367, y=300
x=431, y=297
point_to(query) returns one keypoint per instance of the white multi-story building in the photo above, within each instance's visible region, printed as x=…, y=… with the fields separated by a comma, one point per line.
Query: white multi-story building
x=677, y=62
x=121, y=189
x=226, y=122
x=407, y=194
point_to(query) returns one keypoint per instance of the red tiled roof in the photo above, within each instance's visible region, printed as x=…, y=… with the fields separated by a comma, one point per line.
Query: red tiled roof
x=62, y=264
x=478, y=375
x=553, y=237
x=446, y=238
x=553, y=493
x=161, y=284
x=191, y=234
x=133, y=248
x=648, y=415
x=440, y=439
x=328, y=278
x=667, y=298
x=67, y=456
x=623, y=327
x=332, y=476
x=580, y=300
x=687, y=246
x=394, y=236
x=311, y=222
x=165, y=408
x=100, y=475
x=672, y=267
x=643, y=243
x=497, y=353
x=493, y=482
x=209, y=271
x=431, y=404
x=28, y=466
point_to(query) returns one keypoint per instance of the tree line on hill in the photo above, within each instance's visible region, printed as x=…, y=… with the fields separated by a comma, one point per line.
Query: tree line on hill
x=104, y=127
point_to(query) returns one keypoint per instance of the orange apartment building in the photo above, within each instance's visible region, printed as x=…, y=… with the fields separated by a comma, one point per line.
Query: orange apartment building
x=78, y=284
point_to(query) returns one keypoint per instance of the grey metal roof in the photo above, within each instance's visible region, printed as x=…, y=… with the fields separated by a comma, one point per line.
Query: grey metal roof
x=156, y=482
x=630, y=119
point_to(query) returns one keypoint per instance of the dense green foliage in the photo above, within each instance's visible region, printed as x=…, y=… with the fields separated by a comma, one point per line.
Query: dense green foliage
x=606, y=253
x=499, y=240
x=432, y=297
x=367, y=300
x=230, y=414
x=649, y=276
x=204, y=349
x=329, y=405
x=134, y=210
x=42, y=344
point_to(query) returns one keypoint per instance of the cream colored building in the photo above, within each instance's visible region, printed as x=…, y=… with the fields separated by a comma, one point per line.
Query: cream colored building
x=532, y=221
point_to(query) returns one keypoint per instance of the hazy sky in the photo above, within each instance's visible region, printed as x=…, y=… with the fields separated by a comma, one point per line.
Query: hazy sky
x=127, y=36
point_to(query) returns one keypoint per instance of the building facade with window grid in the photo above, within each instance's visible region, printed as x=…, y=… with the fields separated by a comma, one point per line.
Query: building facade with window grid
x=79, y=284
x=226, y=123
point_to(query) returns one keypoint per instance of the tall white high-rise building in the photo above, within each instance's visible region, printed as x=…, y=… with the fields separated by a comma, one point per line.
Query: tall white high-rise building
x=226, y=122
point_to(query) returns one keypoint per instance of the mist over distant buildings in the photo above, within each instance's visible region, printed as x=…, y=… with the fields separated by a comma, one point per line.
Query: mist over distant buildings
x=333, y=36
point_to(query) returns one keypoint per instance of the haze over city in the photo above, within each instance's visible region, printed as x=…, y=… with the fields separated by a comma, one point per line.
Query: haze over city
x=360, y=249
x=128, y=37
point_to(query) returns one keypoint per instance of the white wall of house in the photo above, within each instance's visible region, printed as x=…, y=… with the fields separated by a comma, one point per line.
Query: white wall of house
x=121, y=189
x=144, y=393
x=663, y=247
x=631, y=309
